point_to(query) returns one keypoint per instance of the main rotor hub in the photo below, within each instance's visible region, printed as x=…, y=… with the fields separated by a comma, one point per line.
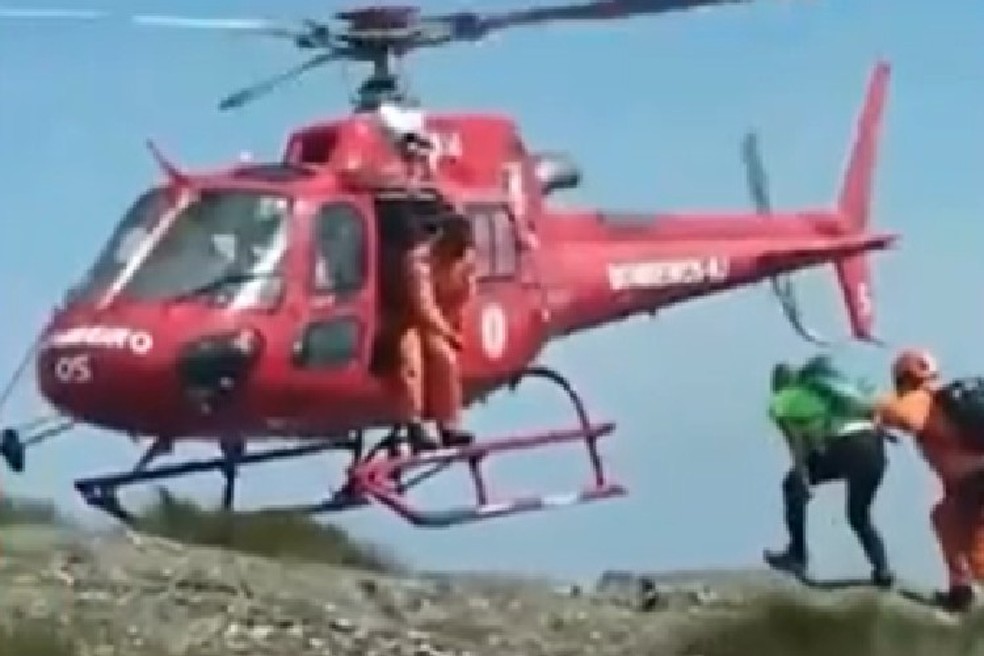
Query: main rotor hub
x=379, y=17
x=380, y=35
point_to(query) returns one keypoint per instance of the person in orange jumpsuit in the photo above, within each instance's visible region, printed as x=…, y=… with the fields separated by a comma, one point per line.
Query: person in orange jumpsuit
x=958, y=518
x=404, y=300
x=452, y=270
x=429, y=279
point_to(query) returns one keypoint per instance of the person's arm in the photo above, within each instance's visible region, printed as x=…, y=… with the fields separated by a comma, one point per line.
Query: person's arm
x=469, y=271
x=798, y=450
x=781, y=409
x=421, y=290
x=891, y=412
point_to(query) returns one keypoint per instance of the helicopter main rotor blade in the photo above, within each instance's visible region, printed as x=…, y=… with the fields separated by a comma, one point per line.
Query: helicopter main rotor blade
x=75, y=14
x=252, y=25
x=161, y=20
x=474, y=26
x=251, y=93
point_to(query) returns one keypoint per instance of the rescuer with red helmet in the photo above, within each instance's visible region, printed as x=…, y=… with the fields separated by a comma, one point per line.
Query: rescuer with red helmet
x=917, y=408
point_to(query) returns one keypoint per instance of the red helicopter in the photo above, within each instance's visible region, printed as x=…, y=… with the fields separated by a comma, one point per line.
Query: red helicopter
x=242, y=304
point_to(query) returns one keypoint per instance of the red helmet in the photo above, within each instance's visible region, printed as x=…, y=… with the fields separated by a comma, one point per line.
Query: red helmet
x=915, y=365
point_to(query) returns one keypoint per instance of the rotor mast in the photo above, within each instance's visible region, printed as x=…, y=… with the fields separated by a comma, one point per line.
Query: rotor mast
x=383, y=84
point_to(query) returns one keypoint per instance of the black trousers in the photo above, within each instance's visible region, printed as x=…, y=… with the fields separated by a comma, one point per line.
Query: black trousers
x=860, y=461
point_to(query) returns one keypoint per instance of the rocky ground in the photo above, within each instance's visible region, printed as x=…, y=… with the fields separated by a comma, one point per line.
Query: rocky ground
x=134, y=595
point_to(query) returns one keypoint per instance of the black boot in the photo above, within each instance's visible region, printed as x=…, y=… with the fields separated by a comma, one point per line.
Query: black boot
x=882, y=578
x=420, y=440
x=958, y=599
x=456, y=437
x=787, y=562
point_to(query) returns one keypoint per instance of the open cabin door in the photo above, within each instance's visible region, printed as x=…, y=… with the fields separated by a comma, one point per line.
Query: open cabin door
x=507, y=321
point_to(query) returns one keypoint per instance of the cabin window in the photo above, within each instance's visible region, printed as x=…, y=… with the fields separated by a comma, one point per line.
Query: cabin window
x=328, y=344
x=495, y=240
x=339, y=238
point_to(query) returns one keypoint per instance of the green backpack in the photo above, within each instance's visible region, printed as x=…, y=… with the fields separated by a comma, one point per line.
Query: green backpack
x=849, y=398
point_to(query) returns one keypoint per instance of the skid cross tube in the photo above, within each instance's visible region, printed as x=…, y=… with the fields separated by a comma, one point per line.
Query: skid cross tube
x=374, y=479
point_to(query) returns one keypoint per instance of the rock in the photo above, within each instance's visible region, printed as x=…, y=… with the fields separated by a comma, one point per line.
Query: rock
x=342, y=624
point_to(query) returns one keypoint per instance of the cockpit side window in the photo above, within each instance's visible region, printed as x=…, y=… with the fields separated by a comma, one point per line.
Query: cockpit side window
x=123, y=244
x=340, y=250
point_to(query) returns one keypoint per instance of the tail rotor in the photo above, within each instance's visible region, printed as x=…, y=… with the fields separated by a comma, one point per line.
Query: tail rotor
x=782, y=284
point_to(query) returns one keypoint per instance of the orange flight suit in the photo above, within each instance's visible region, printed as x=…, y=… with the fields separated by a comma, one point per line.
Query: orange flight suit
x=402, y=366
x=405, y=277
x=958, y=518
x=454, y=283
x=406, y=383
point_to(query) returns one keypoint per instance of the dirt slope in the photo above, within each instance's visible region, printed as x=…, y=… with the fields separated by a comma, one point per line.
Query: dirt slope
x=141, y=596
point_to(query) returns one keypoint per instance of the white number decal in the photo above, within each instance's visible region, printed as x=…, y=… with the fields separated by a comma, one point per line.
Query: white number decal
x=865, y=304
x=73, y=369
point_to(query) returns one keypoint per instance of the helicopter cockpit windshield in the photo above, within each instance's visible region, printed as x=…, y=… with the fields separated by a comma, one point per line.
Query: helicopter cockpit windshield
x=223, y=246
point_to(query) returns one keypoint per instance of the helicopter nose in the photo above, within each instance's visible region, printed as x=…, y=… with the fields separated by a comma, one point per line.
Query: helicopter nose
x=100, y=384
x=212, y=368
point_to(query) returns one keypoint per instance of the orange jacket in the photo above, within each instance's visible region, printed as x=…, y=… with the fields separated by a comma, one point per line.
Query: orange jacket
x=916, y=413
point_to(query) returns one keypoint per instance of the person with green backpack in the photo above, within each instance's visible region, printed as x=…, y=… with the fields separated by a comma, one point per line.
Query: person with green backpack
x=827, y=422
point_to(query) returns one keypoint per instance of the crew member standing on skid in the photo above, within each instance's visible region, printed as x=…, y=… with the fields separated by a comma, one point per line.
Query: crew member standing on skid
x=452, y=268
x=405, y=278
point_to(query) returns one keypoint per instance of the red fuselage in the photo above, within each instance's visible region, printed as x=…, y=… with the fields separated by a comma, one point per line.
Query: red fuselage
x=117, y=367
x=258, y=286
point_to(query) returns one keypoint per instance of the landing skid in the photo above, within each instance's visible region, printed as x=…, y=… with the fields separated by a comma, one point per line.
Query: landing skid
x=101, y=491
x=386, y=472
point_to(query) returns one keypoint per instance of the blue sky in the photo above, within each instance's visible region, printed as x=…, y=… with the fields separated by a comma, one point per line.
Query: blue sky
x=77, y=101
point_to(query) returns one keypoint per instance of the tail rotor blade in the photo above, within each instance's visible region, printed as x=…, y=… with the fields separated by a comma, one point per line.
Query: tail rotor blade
x=782, y=284
x=758, y=183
